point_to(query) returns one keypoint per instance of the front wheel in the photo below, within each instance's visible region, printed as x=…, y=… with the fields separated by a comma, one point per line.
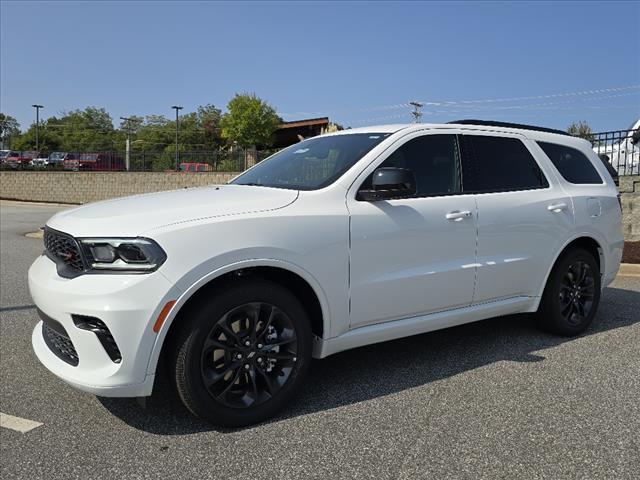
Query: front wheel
x=240, y=357
x=572, y=295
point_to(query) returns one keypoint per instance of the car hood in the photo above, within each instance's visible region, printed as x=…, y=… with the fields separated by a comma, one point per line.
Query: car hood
x=131, y=216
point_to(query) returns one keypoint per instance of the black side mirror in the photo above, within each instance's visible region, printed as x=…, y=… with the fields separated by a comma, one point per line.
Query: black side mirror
x=388, y=183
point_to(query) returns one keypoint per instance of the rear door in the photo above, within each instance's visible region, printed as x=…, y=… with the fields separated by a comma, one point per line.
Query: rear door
x=524, y=215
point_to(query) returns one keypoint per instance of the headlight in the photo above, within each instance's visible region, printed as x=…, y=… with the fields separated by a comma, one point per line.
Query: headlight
x=122, y=254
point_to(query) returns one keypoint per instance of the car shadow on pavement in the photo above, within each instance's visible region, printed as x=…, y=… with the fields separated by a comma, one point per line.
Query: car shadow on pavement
x=377, y=370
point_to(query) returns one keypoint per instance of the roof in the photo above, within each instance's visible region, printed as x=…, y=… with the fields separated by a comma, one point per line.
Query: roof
x=376, y=129
x=519, y=126
x=305, y=123
x=534, y=131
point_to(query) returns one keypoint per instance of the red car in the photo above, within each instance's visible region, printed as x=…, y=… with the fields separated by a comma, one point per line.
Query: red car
x=104, y=162
x=16, y=159
x=195, y=167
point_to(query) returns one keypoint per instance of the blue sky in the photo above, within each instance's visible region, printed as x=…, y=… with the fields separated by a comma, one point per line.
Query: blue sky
x=354, y=62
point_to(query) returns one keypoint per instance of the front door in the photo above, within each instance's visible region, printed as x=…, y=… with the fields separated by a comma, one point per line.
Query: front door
x=415, y=255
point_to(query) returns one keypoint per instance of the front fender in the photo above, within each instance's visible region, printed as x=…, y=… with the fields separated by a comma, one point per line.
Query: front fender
x=188, y=285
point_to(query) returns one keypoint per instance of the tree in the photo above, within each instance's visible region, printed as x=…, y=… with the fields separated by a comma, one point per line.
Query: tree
x=581, y=129
x=250, y=121
x=9, y=129
x=48, y=137
x=88, y=130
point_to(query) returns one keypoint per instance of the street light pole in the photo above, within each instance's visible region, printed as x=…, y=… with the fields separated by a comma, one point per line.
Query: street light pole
x=37, y=107
x=177, y=108
x=127, y=156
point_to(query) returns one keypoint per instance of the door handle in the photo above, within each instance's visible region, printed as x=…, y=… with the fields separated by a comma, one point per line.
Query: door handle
x=557, y=207
x=458, y=215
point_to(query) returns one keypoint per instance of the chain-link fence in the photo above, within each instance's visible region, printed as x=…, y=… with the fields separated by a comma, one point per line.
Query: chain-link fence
x=229, y=160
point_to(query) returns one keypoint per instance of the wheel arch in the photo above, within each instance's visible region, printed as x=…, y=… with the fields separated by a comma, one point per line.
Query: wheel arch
x=585, y=241
x=299, y=281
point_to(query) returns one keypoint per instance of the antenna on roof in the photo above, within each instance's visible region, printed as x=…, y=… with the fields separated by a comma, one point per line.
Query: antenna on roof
x=417, y=111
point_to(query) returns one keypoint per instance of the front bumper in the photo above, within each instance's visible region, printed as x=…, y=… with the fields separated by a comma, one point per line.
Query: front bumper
x=128, y=306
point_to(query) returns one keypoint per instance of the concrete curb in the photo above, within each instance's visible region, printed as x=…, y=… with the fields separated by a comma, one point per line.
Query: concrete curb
x=10, y=201
x=629, y=269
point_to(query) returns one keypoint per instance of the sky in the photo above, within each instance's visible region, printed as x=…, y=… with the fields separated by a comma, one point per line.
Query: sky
x=358, y=63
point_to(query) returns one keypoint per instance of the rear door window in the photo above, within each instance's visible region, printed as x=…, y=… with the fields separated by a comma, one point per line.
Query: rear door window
x=573, y=165
x=499, y=164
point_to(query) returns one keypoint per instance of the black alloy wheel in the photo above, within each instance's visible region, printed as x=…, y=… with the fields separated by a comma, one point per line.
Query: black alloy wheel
x=240, y=352
x=249, y=355
x=572, y=294
x=577, y=292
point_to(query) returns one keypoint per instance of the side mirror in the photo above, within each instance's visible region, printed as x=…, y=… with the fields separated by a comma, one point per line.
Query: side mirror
x=388, y=183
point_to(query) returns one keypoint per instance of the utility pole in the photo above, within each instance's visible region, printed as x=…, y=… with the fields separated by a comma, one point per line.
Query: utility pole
x=177, y=108
x=417, y=111
x=127, y=155
x=37, y=107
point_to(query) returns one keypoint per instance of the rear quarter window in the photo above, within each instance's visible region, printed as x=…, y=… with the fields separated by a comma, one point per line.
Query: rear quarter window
x=573, y=165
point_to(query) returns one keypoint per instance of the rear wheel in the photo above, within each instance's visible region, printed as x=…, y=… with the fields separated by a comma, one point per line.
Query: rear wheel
x=572, y=295
x=240, y=357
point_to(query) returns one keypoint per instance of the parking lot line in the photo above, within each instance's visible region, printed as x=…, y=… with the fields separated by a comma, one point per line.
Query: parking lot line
x=18, y=424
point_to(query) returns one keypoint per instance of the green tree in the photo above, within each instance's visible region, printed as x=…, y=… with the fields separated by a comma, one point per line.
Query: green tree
x=581, y=129
x=250, y=121
x=87, y=130
x=9, y=129
x=134, y=124
x=48, y=137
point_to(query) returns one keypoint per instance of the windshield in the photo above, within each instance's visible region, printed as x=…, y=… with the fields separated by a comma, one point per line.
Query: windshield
x=313, y=163
x=56, y=155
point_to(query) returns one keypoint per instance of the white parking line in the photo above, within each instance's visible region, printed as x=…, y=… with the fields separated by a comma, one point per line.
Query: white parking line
x=18, y=424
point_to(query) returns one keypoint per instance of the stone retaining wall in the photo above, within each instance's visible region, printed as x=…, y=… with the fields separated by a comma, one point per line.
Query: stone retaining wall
x=84, y=187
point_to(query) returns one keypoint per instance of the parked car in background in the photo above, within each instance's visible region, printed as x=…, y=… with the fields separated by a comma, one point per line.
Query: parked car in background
x=57, y=158
x=195, y=167
x=41, y=160
x=18, y=158
x=3, y=155
x=105, y=162
x=339, y=241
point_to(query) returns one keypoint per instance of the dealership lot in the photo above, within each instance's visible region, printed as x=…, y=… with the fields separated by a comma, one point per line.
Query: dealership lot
x=486, y=400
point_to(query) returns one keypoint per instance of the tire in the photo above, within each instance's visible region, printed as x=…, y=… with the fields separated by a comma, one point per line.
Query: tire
x=239, y=358
x=572, y=294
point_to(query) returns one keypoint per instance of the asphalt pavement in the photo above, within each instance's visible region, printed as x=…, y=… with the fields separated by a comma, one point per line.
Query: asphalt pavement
x=493, y=399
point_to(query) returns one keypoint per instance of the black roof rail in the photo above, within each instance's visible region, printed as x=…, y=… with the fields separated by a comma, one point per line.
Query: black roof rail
x=491, y=123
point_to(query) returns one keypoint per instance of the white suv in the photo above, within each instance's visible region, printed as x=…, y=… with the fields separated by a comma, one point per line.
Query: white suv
x=339, y=241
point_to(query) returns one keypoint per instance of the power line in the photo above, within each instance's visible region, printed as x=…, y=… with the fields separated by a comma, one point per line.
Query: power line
x=445, y=103
x=417, y=111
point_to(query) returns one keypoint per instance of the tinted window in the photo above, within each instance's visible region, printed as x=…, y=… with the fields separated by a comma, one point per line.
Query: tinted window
x=434, y=160
x=500, y=164
x=313, y=163
x=572, y=164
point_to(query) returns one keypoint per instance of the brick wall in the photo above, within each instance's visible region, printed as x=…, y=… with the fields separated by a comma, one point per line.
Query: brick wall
x=630, y=197
x=84, y=187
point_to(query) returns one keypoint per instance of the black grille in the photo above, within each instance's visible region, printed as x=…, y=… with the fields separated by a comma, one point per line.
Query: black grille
x=60, y=344
x=63, y=249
